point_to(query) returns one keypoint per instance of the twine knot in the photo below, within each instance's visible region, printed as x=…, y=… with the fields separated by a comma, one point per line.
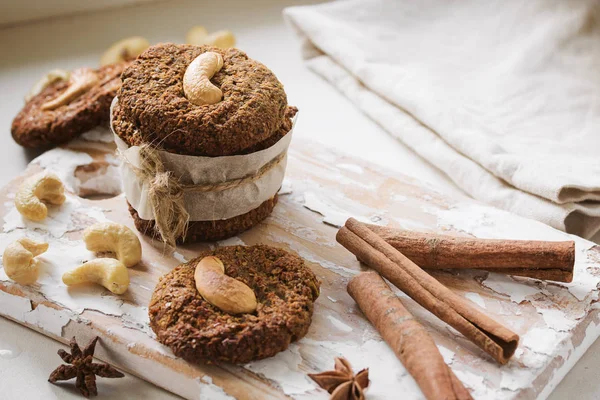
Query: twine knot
x=165, y=195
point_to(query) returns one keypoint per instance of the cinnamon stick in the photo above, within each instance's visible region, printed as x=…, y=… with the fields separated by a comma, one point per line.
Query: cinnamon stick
x=495, y=339
x=531, y=258
x=408, y=339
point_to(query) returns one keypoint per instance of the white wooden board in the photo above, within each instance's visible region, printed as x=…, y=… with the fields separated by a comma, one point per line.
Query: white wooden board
x=557, y=322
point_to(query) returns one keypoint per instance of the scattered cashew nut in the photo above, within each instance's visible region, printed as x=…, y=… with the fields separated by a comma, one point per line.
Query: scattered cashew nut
x=198, y=35
x=37, y=189
x=116, y=238
x=222, y=291
x=80, y=81
x=196, y=81
x=108, y=272
x=56, y=75
x=19, y=262
x=124, y=50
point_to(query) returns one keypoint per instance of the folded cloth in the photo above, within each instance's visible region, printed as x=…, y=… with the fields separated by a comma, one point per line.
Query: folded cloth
x=501, y=95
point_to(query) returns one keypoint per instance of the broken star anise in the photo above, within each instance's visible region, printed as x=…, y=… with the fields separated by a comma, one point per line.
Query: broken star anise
x=83, y=368
x=341, y=383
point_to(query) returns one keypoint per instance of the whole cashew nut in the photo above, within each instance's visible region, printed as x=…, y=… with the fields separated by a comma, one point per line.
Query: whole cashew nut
x=19, y=262
x=198, y=35
x=108, y=272
x=40, y=188
x=124, y=50
x=196, y=81
x=116, y=238
x=221, y=39
x=56, y=75
x=222, y=291
x=81, y=80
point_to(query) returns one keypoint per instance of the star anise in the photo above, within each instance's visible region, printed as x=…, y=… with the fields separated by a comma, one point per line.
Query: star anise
x=83, y=368
x=342, y=383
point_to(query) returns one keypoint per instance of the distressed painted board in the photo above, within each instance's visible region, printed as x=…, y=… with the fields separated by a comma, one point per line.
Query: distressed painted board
x=557, y=322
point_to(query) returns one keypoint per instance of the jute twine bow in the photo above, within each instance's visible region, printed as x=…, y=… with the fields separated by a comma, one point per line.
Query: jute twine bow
x=166, y=193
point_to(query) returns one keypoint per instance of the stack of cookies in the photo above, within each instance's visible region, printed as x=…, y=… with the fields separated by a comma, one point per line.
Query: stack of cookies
x=249, y=115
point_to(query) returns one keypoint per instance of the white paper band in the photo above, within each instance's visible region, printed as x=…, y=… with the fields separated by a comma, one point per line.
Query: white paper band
x=194, y=170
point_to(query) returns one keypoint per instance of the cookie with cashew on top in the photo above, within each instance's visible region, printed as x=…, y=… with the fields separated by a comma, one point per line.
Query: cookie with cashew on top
x=205, y=101
x=234, y=304
x=65, y=104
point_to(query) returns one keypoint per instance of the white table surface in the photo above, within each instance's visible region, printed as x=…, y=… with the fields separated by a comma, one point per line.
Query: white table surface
x=326, y=117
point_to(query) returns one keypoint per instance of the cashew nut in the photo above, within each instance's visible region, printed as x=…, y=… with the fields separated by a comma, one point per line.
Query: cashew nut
x=198, y=35
x=124, y=50
x=196, y=81
x=80, y=81
x=116, y=238
x=37, y=189
x=56, y=75
x=19, y=262
x=108, y=272
x=222, y=291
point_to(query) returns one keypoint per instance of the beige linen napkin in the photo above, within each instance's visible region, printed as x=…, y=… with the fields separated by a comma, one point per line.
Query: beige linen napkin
x=503, y=96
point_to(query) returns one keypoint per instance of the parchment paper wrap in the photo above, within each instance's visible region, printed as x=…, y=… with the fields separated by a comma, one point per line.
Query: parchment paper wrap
x=192, y=170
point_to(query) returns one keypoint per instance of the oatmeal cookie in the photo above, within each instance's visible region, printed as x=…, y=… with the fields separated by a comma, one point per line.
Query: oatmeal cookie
x=153, y=107
x=253, y=115
x=34, y=127
x=285, y=289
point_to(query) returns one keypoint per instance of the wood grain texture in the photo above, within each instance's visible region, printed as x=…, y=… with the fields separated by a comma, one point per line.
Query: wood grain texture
x=556, y=321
